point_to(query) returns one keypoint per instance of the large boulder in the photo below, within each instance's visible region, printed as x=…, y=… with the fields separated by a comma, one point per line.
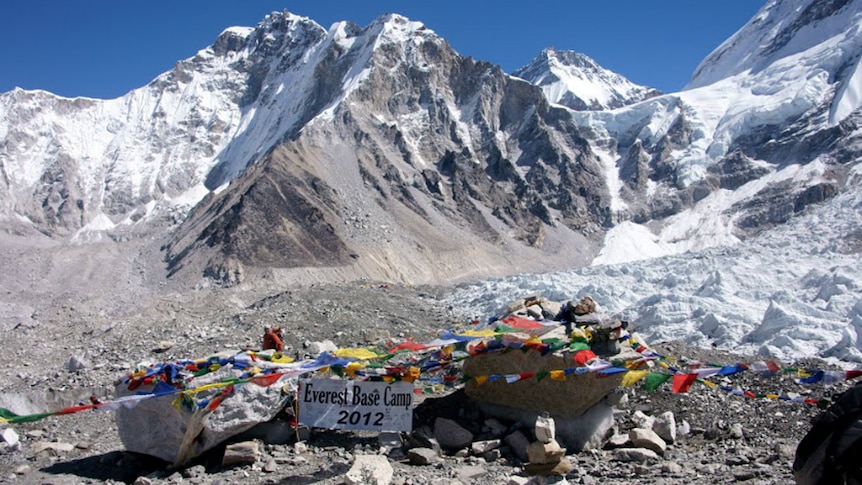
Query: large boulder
x=560, y=399
x=578, y=404
x=158, y=428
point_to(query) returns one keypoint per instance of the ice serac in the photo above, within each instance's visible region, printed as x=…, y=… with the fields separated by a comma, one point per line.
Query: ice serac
x=576, y=81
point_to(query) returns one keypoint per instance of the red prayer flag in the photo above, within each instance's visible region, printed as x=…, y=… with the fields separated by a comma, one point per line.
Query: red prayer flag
x=582, y=357
x=75, y=409
x=682, y=382
x=520, y=323
x=408, y=345
x=266, y=380
x=852, y=374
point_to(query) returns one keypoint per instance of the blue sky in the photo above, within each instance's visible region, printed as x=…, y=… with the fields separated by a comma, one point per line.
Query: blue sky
x=104, y=49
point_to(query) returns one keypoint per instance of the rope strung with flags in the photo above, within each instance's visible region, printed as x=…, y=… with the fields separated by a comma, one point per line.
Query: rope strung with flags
x=424, y=364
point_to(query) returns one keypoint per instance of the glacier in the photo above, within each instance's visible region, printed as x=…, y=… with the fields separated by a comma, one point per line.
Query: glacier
x=790, y=293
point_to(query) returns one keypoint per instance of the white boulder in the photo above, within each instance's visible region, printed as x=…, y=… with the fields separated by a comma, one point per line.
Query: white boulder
x=157, y=428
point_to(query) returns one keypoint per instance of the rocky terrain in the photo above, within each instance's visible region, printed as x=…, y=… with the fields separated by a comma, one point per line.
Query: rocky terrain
x=722, y=438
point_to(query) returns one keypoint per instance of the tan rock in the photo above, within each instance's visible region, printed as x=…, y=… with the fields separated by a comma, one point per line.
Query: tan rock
x=561, y=399
x=647, y=438
x=559, y=468
x=244, y=453
x=540, y=453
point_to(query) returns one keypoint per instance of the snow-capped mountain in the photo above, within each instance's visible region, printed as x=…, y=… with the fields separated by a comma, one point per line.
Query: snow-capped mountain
x=410, y=159
x=578, y=82
x=291, y=151
x=386, y=123
x=78, y=164
x=767, y=127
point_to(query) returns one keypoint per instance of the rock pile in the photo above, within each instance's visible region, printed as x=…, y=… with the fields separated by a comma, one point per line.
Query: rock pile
x=545, y=454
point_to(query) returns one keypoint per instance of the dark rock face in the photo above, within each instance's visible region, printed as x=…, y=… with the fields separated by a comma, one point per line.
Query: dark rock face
x=814, y=12
x=491, y=153
x=735, y=170
x=61, y=201
x=277, y=215
x=777, y=203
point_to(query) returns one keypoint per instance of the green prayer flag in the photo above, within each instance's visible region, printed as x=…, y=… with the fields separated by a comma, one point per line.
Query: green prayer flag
x=575, y=345
x=29, y=418
x=654, y=380
x=7, y=414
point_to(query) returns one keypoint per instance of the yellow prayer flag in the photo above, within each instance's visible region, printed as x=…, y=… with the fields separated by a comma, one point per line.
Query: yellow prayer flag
x=558, y=375
x=352, y=367
x=481, y=380
x=479, y=333
x=207, y=387
x=631, y=377
x=361, y=354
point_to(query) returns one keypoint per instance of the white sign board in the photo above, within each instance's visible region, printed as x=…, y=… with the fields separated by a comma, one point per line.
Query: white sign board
x=341, y=404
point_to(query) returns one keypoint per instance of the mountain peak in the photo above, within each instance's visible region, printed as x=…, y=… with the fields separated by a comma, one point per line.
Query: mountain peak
x=799, y=50
x=577, y=81
x=286, y=25
x=279, y=20
x=398, y=21
x=570, y=58
x=396, y=28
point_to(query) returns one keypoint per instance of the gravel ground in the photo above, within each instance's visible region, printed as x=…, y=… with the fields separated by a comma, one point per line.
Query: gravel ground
x=731, y=439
